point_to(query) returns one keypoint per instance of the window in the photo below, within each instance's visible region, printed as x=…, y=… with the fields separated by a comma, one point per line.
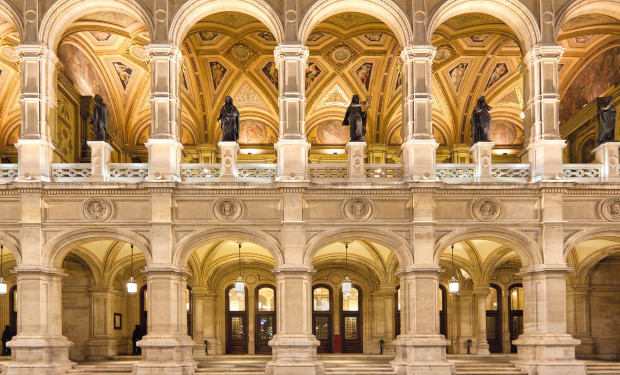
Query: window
x=350, y=301
x=321, y=299
x=516, y=298
x=265, y=299
x=398, y=299
x=492, y=299
x=236, y=300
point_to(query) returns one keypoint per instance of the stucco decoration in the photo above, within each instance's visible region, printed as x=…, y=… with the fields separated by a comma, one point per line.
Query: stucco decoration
x=96, y=209
x=227, y=209
x=358, y=209
x=610, y=209
x=486, y=209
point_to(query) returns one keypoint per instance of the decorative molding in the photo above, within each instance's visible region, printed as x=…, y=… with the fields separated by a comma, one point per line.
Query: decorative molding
x=486, y=209
x=97, y=209
x=227, y=209
x=610, y=209
x=358, y=209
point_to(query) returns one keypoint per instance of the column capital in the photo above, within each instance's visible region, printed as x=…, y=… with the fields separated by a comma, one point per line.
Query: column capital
x=420, y=270
x=35, y=50
x=481, y=290
x=539, y=51
x=36, y=270
x=164, y=270
x=418, y=51
x=293, y=270
x=283, y=51
x=158, y=50
x=545, y=270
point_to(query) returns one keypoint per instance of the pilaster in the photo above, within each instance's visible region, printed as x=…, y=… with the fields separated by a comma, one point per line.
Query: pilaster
x=102, y=343
x=578, y=318
x=356, y=152
x=418, y=148
x=228, y=169
x=199, y=296
x=543, y=147
x=292, y=148
x=480, y=295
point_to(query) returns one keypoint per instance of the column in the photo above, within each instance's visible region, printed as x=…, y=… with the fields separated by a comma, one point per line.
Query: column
x=102, y=343
x=481, y=156
x=607, y=154
x=480, y=295
x=38, y=111
x=292, y=148
x=418, y=148
x=545, y=347
x=465, y=319
x=199, y=295
x=388, y=292
x=578, y=318
x=166, y=349
x=164, y=146
x=214, y=343
x=39, y=347
x=543, y=146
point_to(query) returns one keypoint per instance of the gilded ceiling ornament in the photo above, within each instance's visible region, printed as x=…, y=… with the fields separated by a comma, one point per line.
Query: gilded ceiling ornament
x=97, y=209
x=227, y=209
x=610, y=209
x=486, y=209
x=358, y=209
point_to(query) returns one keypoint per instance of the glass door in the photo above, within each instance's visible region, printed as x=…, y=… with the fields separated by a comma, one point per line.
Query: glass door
x=265, y=318
x=494, y=319
x=351, y=321
x=515, y=313
x=236, y=321
x=322, y=317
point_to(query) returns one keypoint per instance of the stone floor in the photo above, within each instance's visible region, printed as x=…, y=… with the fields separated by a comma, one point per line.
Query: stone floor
x=335, y=364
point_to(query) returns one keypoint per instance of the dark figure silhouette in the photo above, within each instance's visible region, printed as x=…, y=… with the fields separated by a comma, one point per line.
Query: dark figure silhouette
x=135, y=337
x=229, y=121
x=606, y=120
x=480, y=122
x=100, y=119
x=6, y=337
x=355, y=118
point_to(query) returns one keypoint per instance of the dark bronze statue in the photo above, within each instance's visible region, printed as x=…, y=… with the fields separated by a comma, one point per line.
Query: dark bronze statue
x=355, y=118
x=606, y=120
x=229, y=121
x=480, y=121
x=100, y=119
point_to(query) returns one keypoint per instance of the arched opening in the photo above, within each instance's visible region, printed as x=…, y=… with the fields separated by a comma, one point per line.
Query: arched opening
x=10, y=111
x=364, y=319
x=587, y=74
x=478, y=55
x=99, y=315
x=229, y=54
x=102, y=53
x=228, y=320
x=515, y=313
x=353, y=54
x=494, y=318
x=8, y=301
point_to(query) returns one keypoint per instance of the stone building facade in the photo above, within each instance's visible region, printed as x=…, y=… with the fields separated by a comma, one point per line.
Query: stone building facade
x=533, y=242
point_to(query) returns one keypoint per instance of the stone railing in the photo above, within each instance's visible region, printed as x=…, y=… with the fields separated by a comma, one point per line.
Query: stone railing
x=391, y=171
x=582, y=172
x=70, y=172
x=455, y=172
x=512, y=172
x=8, y=172
x=129, y=172
x=256, y=170
x=329, y=171
x=200, y=172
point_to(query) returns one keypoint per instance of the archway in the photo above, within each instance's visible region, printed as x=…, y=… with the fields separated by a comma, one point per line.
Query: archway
x=8, y=294
x=10, y=112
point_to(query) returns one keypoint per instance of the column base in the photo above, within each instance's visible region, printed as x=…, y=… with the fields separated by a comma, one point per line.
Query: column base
x=164, y=159
x=34, y=158
x=101, y=349
x=483, y=348
x=294, y=355
x=418, y=157
x=165, y=355
x=292, y=160
x=546, y=159
x=38, y=356
x=422, y=355
x=548, y=355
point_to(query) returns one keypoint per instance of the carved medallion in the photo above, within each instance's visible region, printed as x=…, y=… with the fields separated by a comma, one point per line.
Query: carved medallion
x=486, y=209
x=357, y=209
x=96, y=209
x=227, y=209
x=610, y=209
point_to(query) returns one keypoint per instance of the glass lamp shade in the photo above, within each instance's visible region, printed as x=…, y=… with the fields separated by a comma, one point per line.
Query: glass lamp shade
x=346, y=285
x=2, y=286
x=454, y=285
x=239, y=286
x=132, y=286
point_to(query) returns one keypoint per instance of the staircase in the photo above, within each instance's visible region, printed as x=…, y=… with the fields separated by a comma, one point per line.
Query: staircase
x=342, y=364
x=603, y=368
x=233, y=365
x=101, y=369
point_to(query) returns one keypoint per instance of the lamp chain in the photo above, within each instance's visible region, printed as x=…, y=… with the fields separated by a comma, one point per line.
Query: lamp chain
x=131, y=270
x=1, y=259
x=239, y=259
x=346, y=260
x=453, y=270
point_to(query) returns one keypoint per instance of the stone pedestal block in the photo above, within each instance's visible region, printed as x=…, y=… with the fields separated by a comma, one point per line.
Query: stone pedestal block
x=356, y=151
x=422, y=355
x=165, y=355
x=294, y=354
x=164, y=159
x=292, y=160
x=101, y=153
x=607, y=154
x=228, y=156
x=38, y=355
x=481, y=156
x=34, y=158
x=418, y=156
x=548, y=354
x=545, y=156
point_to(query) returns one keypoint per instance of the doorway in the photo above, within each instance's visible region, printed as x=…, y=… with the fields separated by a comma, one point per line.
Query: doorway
x=236, y=321
x=515, y=313
x=494, y=319
x=351, y=321
x=322, y=317
x=265, y=318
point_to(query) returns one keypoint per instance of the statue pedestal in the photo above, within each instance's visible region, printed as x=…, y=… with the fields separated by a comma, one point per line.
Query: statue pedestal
x=101, y=153
x=481, y=156
x=356, y=151
x=164, y=159
x=228, y=154
x=607, y=154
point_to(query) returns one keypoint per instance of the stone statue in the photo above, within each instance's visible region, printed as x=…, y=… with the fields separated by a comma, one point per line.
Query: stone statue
x=100, y=119
x=355, y=118
x=480, y=121
x=606, y=120
x=229, y=121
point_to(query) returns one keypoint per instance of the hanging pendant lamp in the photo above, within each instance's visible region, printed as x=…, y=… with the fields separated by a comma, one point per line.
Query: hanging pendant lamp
x=2, y=282
x=346, y=285
x=132, y=285
x=239, y=285
x=454, y=283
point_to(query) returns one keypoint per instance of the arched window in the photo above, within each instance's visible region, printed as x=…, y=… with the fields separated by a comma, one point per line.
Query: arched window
x=265, y=318
x=351, y=321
